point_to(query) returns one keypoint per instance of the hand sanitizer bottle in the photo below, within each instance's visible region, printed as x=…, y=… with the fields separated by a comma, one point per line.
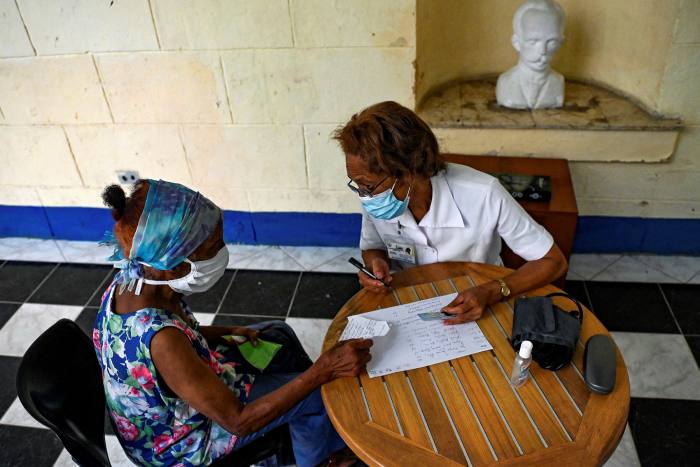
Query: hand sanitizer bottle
x=523, y=358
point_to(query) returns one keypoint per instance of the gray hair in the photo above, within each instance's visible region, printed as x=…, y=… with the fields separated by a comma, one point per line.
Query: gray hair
x=547, y=6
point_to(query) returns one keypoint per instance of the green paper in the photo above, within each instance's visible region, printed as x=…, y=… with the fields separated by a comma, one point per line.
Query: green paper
x=261, y=354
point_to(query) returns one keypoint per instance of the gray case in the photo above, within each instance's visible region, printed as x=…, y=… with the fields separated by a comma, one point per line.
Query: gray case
x=599, y=364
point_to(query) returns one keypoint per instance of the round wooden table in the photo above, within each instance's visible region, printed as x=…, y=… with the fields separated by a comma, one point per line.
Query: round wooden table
x=464, y=411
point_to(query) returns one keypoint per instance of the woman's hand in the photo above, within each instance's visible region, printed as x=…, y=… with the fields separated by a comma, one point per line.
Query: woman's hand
x=249, y=334
x=469, y=304
x=347, y=358
x=379, y=268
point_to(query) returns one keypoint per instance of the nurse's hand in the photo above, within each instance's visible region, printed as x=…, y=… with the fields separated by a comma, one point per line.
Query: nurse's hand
x=379, y=268
x=468, y=305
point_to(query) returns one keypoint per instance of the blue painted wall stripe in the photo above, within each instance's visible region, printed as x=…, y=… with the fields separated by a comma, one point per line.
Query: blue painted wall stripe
x=304, y=228
x=24, y=221
x=238, y=227
x=594, y=234
x=598, y=234
x=79, y=223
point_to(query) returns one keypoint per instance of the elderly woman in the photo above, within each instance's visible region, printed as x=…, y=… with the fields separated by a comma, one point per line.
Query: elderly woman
x=176, y=398
x=416, y=209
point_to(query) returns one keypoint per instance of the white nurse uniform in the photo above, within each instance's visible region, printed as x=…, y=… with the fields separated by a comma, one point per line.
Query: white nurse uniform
x=469, y=214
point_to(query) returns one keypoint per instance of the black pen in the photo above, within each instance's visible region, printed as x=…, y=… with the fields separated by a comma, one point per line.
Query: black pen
x=362, y=268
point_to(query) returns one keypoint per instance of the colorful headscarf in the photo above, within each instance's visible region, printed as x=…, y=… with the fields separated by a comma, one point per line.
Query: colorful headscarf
x=174, y=222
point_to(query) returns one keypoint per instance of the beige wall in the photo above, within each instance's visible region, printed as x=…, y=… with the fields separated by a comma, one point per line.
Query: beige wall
x=671, y=189
x=649, y=50
x=233, y=97
x=237, y=97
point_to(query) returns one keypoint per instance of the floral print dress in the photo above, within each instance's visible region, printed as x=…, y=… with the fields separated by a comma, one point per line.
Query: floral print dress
x=154, y=426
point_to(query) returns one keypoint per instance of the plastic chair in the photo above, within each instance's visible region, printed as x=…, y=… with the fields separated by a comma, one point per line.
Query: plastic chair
x=59, y=383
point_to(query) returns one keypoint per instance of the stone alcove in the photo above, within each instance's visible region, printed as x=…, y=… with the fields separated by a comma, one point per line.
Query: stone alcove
x=614, y=59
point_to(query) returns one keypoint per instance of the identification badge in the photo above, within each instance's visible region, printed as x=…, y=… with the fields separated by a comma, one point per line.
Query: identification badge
x=435, y=315
x=400, y=250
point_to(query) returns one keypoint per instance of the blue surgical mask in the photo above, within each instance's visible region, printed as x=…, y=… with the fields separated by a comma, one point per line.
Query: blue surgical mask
x=385, y=205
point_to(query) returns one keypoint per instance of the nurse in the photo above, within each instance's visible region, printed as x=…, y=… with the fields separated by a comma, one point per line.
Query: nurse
x=416, y=209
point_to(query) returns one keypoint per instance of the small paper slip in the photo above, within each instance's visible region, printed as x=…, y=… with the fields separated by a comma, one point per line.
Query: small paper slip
x=414, y=343
x=362, y=328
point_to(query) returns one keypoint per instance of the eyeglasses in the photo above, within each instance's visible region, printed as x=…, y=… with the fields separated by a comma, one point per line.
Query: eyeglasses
x=364, y=192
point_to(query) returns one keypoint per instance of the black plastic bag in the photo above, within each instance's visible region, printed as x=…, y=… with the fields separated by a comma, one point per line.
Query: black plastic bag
x=552, y=331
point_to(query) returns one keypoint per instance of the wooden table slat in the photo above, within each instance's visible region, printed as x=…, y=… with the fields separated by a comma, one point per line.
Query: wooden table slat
x=468, y=427
x=436, y=417
x=378, y=401
x=388, y=448
x=406, y=409
x=486, y=366
x=346, y=390
x=560, y=400
x=499, y=384
x=558, y=456
x=546, y=421
x=573, y=382
x=601, y=427
x=556, y=394
x=441, y=429
x=404, y=403
x=490, y=419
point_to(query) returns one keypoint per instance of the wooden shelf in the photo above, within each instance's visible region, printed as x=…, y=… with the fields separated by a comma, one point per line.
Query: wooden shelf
x=558, y=216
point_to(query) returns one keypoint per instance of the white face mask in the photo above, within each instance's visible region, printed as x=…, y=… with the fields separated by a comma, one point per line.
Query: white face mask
x=202, y=276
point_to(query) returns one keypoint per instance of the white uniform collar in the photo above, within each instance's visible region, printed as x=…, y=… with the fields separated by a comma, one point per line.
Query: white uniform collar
x=443, y=211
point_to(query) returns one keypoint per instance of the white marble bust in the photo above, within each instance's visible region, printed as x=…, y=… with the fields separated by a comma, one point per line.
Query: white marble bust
x=538, y=31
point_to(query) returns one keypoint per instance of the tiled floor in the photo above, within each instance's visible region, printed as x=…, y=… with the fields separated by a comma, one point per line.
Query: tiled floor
x=649, y=303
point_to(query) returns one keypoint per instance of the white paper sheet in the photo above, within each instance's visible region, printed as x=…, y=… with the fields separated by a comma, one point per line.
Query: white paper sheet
x=413, y=343
x=360, y=327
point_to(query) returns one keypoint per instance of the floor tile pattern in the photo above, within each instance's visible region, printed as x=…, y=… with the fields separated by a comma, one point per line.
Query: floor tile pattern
x=653, y=313
x=586, y=267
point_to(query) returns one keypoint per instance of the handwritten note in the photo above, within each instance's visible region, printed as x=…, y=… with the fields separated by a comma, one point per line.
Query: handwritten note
x=413, y=343
x=360, y=327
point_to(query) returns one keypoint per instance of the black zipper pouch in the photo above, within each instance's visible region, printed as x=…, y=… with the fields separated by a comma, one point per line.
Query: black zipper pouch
x=553, y=332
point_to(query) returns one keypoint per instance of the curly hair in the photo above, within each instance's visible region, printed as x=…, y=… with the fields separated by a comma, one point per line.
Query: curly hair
x=126, y=212
x=392, y=139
